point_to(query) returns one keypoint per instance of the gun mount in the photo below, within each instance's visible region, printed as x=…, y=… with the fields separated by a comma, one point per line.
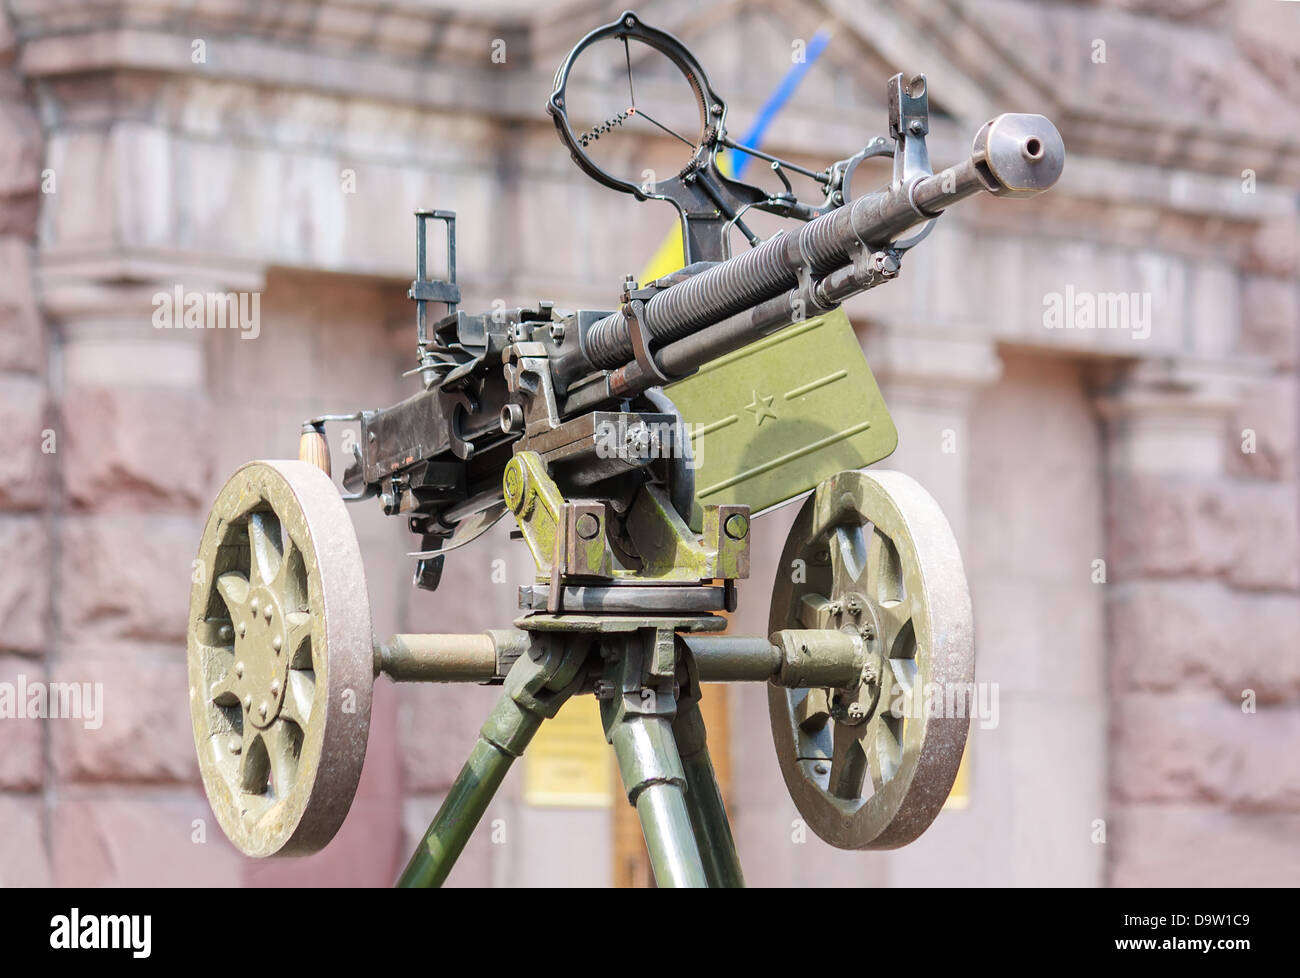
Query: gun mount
x=567, y=420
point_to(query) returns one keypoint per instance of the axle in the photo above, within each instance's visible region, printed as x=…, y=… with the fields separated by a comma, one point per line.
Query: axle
x=792, y=658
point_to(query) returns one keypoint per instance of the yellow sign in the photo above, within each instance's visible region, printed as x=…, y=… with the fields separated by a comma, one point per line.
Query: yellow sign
x=568, y=762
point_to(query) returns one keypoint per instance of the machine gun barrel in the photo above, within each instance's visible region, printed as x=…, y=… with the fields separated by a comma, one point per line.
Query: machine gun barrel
x=789, y=276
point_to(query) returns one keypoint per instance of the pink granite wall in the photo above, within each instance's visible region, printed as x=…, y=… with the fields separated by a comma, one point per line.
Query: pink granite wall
x=25, y=483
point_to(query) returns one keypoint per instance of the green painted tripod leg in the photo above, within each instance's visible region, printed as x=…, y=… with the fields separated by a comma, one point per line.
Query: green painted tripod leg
x=536, y=688
x=656, y=785
x=459, y=815
x=704, y=800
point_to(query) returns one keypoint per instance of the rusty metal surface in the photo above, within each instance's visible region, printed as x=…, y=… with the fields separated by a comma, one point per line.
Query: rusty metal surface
x=869, y=766
x=281, y=659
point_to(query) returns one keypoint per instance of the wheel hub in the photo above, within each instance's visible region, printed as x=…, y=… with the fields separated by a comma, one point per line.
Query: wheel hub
x=261, y=659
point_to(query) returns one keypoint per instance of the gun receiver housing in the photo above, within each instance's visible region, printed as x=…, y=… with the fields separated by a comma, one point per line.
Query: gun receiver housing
x=546, y=380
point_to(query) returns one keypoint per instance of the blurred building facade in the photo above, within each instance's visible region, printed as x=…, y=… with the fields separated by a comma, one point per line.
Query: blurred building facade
x=1127, y=497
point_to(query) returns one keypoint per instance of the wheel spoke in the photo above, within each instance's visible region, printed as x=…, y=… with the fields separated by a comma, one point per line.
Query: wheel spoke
x=265, y=545
x=233, y=588
x=897, y=635
x=848, y=546
x=254, y=764
x=814, y=611
x=884, y=747
x=813, y=710
x=297, y=698
x=298, y=639
x=898, y=691
x=873, y=765
x=848, y=762
x=282, y=745
x=290, y=582
x=222, y=692
x=884, y=583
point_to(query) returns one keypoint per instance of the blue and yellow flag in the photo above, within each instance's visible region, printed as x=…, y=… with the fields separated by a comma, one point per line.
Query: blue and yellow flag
x=668, y=257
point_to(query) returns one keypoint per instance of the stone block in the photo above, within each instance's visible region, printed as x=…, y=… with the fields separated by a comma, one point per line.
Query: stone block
x=24, y=857
x=21, y=340
x=142, y=450
x=145, y=838
x=24, y=468
x=126, y=577
x=22, y=732
x=140, y=728
x=1200, y=846
x=25, y=585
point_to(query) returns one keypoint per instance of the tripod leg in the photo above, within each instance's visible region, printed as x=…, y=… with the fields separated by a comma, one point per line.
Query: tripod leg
x=536, y=688
x=475, y=787
x=704, y=800
x=656, y=785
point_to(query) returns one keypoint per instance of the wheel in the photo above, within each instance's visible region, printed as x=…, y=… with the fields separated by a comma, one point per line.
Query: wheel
x=870, y=765
x=281, y=659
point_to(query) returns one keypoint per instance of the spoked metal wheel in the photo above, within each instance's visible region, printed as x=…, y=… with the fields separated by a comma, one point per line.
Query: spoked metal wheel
x=870, y=765
x=281, y=659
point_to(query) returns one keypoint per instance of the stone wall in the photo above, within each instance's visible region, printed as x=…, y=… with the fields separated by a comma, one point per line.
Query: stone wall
x=26, y=485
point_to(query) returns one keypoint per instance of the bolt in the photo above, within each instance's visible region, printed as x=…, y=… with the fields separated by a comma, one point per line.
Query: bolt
x=239, y=670
x=242, y=629
x=253, y=607
x=275, y=687
x=226, y=633
x=716, y=109
x=915, y=127
x=512, y=418
x=604, y=689
x=267, y=612
x=587, y=526
x=856, y=711
x=837, y=197
x=867, y=632
x=262, y=709
x=277, y=643
x=235, y=745
x=853, y=605
x=248, y=702
x=737, y=526
x=821, y=768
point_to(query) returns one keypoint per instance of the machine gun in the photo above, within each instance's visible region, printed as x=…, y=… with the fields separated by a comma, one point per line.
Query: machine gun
x=578, y=423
